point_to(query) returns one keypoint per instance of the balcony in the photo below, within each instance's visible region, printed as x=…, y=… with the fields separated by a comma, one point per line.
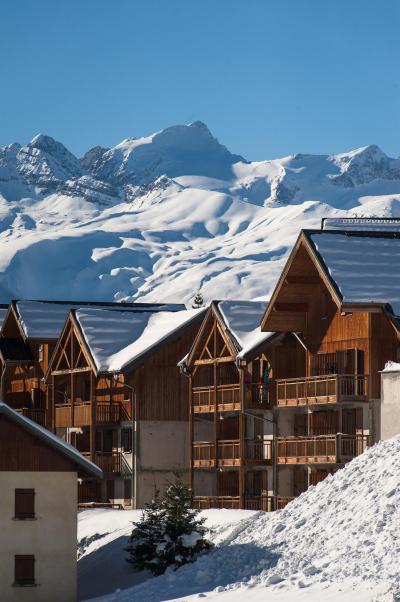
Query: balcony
x=106, y=413
x=229, y=397
x=281, y=502
x=109, y=462
x=251, y=502
x=37, y=415
x=312, y=390
x=325, y=449
x=228, y=453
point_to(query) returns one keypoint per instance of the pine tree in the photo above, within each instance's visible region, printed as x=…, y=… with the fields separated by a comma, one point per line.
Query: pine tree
x=198, y=300
x=171, y=532
x=147, y=534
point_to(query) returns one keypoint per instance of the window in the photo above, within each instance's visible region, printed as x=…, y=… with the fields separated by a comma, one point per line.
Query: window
x=24, y=503
x=24, y=570
x=126, y=440
x=127, y=489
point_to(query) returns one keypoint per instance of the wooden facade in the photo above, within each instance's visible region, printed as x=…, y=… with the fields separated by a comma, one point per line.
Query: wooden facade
x=99, y=412
x=231, y=433
x=326, y=391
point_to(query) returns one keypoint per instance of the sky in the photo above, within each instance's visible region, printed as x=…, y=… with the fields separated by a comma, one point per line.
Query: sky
x=269, y=77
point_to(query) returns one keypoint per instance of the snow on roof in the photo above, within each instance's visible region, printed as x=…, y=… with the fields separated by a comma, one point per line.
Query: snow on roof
x=391, y=367
x=363, y=224
x=118, y=338
x=364, y=268
x=3, y=313
x=45, y=320
x=52, y=439
x=243, y=319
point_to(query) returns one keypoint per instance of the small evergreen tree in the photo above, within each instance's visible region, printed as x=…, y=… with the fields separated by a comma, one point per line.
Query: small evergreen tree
x=171, y=532
x=198, y=300
x=147, y=534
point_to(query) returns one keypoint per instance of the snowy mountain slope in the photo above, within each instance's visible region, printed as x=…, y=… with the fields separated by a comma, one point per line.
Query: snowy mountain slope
x=342, y=534
x=159, y=217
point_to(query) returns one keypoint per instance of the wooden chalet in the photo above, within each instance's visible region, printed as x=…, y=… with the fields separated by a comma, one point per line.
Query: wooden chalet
x=339, y=298
x=117, y=395
x=231, y=422
x=29, y=334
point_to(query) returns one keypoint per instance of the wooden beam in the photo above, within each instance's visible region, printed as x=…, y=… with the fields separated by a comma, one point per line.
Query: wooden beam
x=71, y=370
x=293, y=279
x=217, y=360
x=291, y=307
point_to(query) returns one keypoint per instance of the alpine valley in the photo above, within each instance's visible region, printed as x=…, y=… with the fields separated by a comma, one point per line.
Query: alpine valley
x=160, y=217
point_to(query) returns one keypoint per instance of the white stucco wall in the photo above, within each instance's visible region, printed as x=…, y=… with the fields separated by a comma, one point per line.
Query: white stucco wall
x=51, y=537
x=390, y=405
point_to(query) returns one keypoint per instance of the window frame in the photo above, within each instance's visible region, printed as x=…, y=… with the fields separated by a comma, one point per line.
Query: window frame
x=24, y=582
x=24, y=515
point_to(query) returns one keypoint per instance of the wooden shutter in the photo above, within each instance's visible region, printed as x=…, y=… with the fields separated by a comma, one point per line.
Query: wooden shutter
x=24, y=503
x=24, y=570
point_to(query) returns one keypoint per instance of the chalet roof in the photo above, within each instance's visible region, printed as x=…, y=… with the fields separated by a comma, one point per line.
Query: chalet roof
x=3, y=313
x=242, y=319
x=44, y=320
x=15, y=350
x=363, y=266
x=51, y=439
x=117, y=339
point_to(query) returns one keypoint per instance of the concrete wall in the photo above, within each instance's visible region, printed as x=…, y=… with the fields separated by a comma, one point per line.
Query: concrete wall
x=205, y=482
x=163, y=449
x=51, y=537
x=390, y=405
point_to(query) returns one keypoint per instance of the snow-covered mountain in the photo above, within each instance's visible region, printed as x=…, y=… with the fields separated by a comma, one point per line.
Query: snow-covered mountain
x=158, y=217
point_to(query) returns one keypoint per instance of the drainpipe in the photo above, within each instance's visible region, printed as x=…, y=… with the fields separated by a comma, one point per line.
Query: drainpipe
x=2, y=381
x=135, y=430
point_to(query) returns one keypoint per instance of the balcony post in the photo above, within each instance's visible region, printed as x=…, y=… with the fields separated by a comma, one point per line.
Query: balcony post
x=93, y=417
x=191, y=434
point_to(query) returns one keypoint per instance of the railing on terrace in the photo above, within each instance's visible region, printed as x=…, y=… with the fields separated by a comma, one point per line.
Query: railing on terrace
x=259, y=502
x=35, y=414
x=228, y=397
x=106, y=412
x=281, y=502
x=216, y=501
x=109, y=462
x=228, y=452
x=322, y=449
x=331, y=388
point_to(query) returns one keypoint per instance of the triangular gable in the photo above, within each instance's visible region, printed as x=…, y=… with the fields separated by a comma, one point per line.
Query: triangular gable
x=212, y=341
x=303, y=279
x=71, y=352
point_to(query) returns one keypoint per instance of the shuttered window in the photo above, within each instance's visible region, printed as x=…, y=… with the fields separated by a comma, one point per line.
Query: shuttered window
x=24, y=503
x=24, y=570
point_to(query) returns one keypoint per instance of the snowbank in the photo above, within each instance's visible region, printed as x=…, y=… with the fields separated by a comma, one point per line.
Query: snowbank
x=343, y=535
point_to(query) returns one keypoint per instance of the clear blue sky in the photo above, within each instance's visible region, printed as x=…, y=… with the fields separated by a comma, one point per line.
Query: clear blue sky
x=269, y=78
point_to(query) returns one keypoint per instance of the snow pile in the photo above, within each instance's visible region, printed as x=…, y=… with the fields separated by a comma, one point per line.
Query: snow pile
x=346, y=530
x=391, y=367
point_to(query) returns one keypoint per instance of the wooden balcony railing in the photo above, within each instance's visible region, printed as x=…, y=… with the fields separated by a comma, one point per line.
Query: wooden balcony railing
x=106, y=412
x=281, y=502
x=216, y=501
x=228, y=397
x=228, y=452
x=35, y=414
x=331, y=388
x=109, y=462
x=259, y=450
x=204, y=454
x=259, y=502
x=326, y=449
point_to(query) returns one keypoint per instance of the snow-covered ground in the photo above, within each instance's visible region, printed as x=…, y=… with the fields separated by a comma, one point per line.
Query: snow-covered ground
x=338, y=541
x=159, y=217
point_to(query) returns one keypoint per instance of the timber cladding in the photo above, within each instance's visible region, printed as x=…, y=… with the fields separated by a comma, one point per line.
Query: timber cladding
x=21, y=451
x=162, y=392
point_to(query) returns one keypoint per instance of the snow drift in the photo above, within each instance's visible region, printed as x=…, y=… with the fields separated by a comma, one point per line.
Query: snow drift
x=161, y=216
x=344, y=530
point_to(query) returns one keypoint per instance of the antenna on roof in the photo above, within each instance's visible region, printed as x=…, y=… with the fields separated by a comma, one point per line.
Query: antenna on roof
x=362, y=224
